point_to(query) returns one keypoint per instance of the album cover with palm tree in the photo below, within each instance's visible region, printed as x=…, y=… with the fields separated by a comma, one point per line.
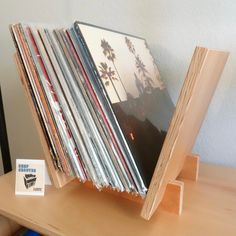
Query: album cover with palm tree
x=124, y=71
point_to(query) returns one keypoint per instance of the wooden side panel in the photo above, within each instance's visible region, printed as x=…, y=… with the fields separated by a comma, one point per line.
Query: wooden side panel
x=191, y=168
x=59, y=179
x=200, y=83
x=173, y=198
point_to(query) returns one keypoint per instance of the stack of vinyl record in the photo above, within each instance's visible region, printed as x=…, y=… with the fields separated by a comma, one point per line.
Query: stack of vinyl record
x=104, y=109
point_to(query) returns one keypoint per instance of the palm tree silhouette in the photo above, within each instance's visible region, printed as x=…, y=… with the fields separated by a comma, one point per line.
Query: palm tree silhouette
x=140, y=66
x=130, y=45
x=142, y=69
x=156, y=71
x=148, y=82
x=109, y=53
x=108, y=75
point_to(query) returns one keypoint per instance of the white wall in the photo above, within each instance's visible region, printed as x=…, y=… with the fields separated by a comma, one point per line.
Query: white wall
x=175, y=28
x=23, y=139
x=172, y=28
x=122, y=15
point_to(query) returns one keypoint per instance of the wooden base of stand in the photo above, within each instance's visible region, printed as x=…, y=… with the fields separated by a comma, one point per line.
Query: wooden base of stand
x=191, y=168
x=173, y=197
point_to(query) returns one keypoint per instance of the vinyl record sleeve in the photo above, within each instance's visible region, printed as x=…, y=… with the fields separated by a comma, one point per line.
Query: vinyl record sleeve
x=98, y=126
x=36, y=94
x=125, y=76
x=57, y=98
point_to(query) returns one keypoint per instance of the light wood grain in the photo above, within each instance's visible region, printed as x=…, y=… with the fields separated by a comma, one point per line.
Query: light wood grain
x=209, y=209
x=190, y=169
x=200, y=83
x=173, y=198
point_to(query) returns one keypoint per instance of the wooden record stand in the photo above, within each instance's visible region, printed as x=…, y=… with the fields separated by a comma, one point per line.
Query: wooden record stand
x=175, y=159
x=172, y=200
